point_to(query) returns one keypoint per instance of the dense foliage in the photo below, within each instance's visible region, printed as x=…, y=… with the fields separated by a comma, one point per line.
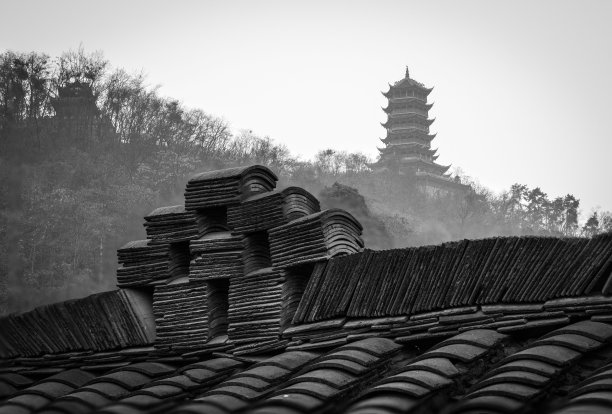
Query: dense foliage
x=69, y=200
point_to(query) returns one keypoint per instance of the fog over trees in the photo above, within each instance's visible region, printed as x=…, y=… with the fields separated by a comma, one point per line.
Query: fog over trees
x=75, y=188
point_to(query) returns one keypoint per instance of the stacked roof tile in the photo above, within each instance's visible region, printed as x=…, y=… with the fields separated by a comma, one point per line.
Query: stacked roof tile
x=255, y=308
x=171, y=225
x=98, y=322
x=142, y=263
x=466, y=273
x=314, y=238
x=227, y=187
x=193, y=314
x=216, y=255
x=181, y=314
x=272, y=209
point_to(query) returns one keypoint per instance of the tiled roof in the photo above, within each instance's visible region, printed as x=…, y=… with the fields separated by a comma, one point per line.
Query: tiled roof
x=253, y=300
x=476, y=371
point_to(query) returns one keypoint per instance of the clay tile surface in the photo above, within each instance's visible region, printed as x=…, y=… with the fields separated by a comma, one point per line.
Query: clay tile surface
x=552, y=354
x=441, y=366
x=576, y=342
x=460, y=351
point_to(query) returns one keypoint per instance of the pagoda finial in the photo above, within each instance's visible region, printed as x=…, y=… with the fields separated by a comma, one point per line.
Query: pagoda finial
x=407, y=72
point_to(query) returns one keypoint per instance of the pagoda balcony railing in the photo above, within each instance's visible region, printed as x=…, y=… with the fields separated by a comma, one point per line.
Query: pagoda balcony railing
x=403, y=142
x=408, y=112
x=408, y=128
x=407, y=98
x=408, y=94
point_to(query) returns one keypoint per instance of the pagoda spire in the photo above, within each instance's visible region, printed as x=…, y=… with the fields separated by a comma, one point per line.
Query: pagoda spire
x=407, y=72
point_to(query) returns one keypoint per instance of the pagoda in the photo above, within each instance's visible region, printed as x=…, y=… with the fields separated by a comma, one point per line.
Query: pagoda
x=77, y=117
x=75, y=100
x=407, y=149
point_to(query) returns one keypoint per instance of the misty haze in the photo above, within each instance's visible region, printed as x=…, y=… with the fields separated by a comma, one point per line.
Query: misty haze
x=304, y=187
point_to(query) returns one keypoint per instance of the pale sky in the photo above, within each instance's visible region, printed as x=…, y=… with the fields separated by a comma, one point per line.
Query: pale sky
x=522, y=88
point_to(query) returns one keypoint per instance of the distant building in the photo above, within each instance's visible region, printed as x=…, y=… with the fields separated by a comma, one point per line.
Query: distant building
x=77, y=117
x=407, y=149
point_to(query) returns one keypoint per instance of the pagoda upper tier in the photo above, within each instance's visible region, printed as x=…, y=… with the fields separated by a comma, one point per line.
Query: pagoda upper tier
x=407, y=88
x=403, y=106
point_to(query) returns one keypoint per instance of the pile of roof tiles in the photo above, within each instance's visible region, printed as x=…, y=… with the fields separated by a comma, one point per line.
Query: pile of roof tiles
x=216, y=255
x=272, y=209
x=489, y=271
x=227, y=187
x=103, y=321
x=259, y=297
x=171, y=225
x=508, y=284
x=143, y=263
x=314, y=238
x=190, y=312
x=255, y=309
x=181, y=314
x=215, y=276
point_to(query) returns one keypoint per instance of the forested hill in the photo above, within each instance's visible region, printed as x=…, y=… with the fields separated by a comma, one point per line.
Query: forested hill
x=86, y=152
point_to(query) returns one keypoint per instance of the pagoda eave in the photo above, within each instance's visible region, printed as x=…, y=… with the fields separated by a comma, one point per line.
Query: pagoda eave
x=442, y=181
